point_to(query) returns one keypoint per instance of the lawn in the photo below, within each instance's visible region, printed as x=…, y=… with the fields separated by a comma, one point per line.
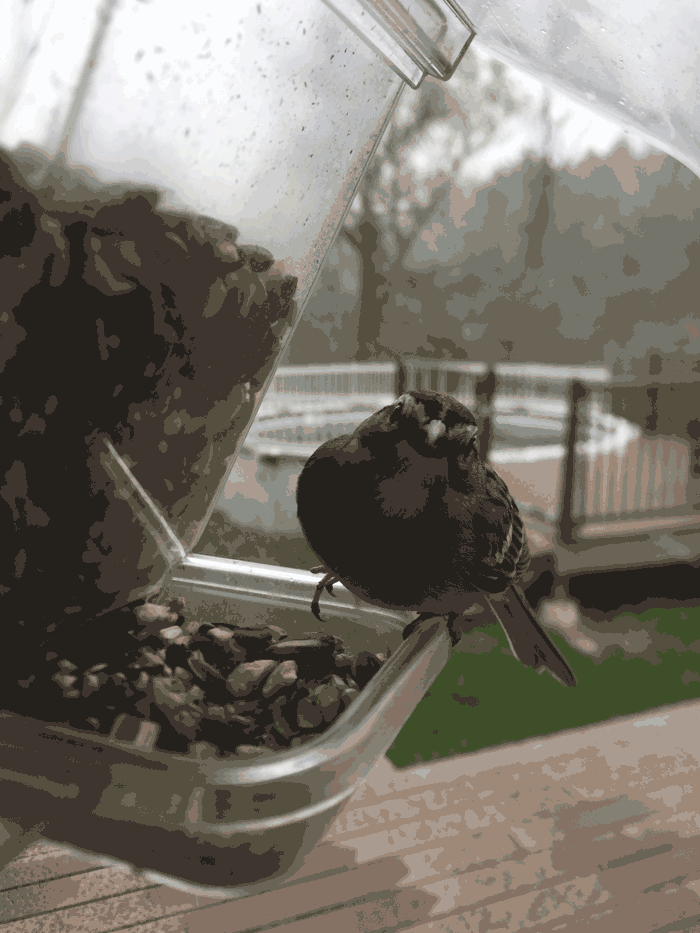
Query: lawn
x=488, y=698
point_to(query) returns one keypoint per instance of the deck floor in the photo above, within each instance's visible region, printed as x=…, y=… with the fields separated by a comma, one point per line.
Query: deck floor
x=597, y=829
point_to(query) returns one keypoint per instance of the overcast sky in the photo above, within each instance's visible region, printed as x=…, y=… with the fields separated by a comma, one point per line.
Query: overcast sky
x=577, y=132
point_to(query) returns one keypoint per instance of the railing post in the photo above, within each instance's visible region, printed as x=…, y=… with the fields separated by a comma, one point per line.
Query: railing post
x=485, y=390
x=401, y=378
x=567, y=520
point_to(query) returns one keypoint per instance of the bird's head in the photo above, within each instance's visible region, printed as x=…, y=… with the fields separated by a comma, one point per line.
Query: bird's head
x=434, y=424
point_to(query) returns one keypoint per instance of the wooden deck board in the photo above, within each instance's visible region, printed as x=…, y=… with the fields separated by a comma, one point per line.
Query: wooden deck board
x=597, y=828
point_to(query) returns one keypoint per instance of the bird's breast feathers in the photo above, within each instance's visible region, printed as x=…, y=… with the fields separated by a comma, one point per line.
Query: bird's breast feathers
x=411, y=485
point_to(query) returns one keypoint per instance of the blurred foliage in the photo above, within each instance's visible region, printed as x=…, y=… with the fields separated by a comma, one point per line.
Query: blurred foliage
x=594, y=262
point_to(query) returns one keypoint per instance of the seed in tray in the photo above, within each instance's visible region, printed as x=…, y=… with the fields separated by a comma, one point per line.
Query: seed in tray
x=331, y=640
x=241, y=707
x=365, y=667
x=200, y=668
x=91, y=683
x=246, y=678
x=343, y=662
x=176, y=656
x=255, y=633
x=227, y=655
x=195, y=694
x=149, y=612
x=253, y=751
x=248, y=722
x=192, y=627
x=347, y=696
x=272, y=740
x=278, y=685
x=328, y=697
x=171, y=635
x=142, y=682
x=148, y=659
x=150, y=615
x=254, y=641
x=64, y=680
x=234, y=710
x=284, y=719
x=177, y=604
x=203, y=750
x=216, y=712
x=294, y=647
x=284, y=675
x=165, y=695
x=220, y=636
x=186, y=718
x=309, y=713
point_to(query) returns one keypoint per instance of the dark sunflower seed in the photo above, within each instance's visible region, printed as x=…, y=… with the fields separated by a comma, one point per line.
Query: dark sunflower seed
x=293, y=647
x=309, y=713
x=246, y=678
x=216, y=712
x=201, y=668
x=365, y=667
x=64, y=680
x=284, y=675
x=284, y=717
x=327, y=697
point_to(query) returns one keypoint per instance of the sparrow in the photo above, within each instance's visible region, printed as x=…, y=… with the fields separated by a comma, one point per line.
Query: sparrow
x=406, y=515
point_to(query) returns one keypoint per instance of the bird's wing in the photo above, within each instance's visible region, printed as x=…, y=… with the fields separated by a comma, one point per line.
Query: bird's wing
x=491, y=523
x=528, y=641
x=335, y=483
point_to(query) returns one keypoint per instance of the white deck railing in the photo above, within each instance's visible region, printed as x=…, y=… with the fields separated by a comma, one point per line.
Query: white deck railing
x=618, y=471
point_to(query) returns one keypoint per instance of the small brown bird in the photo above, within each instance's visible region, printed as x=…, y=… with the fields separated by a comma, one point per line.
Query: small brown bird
x=406, y=515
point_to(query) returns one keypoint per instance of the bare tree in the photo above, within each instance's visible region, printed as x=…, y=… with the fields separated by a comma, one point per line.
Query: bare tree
x=396, y=201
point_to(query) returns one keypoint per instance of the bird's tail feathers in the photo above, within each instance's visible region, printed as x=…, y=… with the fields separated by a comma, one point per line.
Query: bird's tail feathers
x=527, y=639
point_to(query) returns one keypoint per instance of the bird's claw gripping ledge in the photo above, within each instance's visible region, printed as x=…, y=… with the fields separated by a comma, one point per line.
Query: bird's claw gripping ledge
x=455, y=634
x=329, y=579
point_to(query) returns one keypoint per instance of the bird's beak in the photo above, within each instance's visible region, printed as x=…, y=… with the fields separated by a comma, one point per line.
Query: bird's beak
x=435, y=430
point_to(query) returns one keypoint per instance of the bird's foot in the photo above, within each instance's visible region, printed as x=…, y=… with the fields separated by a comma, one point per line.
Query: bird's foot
x=326, y=584
x=455, y=634
x=412, y=626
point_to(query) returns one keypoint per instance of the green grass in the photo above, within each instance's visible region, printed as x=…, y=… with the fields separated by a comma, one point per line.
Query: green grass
x=503, y=701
